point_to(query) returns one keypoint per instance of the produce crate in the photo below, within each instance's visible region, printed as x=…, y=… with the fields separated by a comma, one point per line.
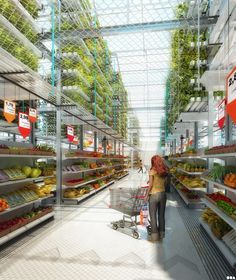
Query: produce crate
x=4, y=232
x=4, y=151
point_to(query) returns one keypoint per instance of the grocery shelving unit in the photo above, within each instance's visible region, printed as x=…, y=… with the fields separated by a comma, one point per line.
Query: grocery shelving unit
x=229, y=255
x=31, y=79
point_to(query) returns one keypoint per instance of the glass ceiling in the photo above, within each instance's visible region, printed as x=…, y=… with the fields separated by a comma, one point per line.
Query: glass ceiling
x=143, y=57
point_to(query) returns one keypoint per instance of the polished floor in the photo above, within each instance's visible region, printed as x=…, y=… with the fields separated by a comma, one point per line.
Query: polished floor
x=80, y=244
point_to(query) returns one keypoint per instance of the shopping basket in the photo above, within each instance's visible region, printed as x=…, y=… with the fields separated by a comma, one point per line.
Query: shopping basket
x=129, y=202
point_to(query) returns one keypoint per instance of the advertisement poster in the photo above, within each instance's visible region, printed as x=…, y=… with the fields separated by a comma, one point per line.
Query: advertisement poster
x=24, y=125
x=9, y=110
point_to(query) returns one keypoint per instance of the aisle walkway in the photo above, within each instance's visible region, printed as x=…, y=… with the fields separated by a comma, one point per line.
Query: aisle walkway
x=80, y=244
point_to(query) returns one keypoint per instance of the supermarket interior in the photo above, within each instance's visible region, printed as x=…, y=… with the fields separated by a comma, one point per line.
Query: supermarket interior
x=117, y=139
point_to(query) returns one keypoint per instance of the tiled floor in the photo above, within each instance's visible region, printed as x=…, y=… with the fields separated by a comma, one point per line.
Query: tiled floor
x=80, y=244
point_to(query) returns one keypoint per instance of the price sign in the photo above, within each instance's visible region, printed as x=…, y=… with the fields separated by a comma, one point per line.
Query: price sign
x=32, y=115
x=24, y=125
x=221, y=114
x=9, y=110
x=76, y=140
x=70, y=133
x=231, y=94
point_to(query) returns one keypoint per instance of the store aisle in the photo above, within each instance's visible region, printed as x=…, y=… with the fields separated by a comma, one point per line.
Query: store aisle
x=81, y=245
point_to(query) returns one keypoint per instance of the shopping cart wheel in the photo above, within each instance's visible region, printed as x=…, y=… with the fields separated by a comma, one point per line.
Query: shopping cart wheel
x=135, y=234
x=115, y=226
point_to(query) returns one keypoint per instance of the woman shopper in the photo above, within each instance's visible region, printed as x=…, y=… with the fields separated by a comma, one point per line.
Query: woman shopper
x=157, y=197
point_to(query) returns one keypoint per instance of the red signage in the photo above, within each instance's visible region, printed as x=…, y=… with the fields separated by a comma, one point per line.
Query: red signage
x=70, y=133
x=9, y=110
x=24, y=124
x=231, y=94
x=32, y=115
x=221, y=114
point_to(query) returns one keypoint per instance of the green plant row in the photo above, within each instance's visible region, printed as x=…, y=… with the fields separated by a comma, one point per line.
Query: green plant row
x=13, y=15
x=31, y=6
x=17, y=49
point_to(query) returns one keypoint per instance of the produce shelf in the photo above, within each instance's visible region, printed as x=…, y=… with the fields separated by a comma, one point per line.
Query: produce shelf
x=25, y=156
x=220, y=213
x=191, y=189
x=123, y=176
x=189, y=173
x=190, y=204
x=187, y=157
x=25, y=180
x=23, y=229
x=93, y=158
x=220, y=185
x=229, y=255
x=25, y=204
x=224, y=155
x=79, y=199
x=91, y=169
x=85, y=183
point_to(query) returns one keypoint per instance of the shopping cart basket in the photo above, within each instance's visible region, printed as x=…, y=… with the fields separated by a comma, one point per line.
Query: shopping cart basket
x=129, y=202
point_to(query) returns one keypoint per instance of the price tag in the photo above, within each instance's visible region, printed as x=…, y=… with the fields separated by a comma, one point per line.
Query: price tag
x=231, y=94
x=70, y=133
x=32, y=115
x=221, y=114
x=24, y=125
x=9, y=110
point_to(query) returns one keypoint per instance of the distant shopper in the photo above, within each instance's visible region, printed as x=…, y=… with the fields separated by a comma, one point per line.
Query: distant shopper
x=140, y=166
x=157, y=197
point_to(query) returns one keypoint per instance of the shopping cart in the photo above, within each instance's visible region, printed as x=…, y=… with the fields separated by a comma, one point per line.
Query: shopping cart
x=129, y=202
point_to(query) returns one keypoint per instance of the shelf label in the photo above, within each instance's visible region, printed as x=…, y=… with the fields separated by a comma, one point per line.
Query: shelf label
x=9, y=110
x=24, y=124
x=221, y=113
x=70, y=133
x=32, y=115
x=231, y=94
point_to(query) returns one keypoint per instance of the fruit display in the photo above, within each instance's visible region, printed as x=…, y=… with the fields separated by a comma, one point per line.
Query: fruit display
x=221, y=149
x=3, y=205
x=17, y=222
x=38, y=150
x=19, y=197
x=14, y=173
x=42, y=190
x=76, y=193
x=224, y=203
x=192, y=197
x=218, y=226
x=230, y=180
x=46, y=168
x=79, y=153
x=190, y=181
x=191, y=167
x=3, y=177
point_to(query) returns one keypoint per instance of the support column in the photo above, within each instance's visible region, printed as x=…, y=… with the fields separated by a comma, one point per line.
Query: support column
x=210, y=187
x=132, y=158
x=58, y=98
x=95, y=141
x=81, y=137
x=114, y=147
x=123, y=149
x=119, y=148
x=181, y=144
x=174, y=146
x=196, y=135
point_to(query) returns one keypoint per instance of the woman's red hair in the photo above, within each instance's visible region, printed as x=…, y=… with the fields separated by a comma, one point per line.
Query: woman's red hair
x=159, y=166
